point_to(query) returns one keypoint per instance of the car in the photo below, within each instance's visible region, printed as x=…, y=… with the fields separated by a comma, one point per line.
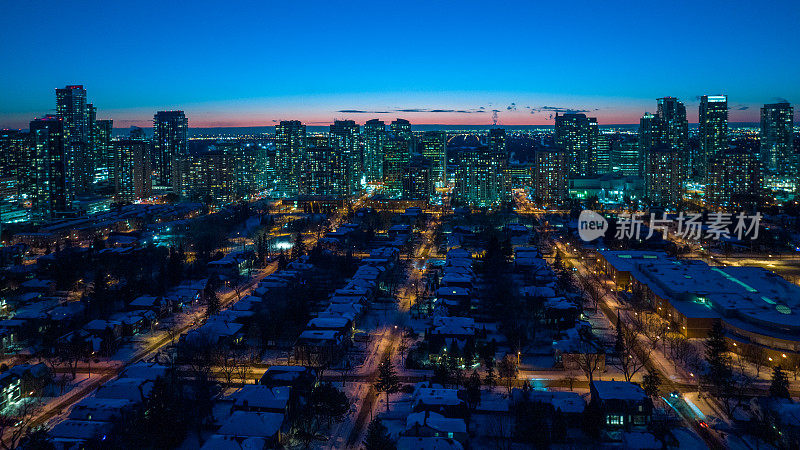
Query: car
x=675, y=394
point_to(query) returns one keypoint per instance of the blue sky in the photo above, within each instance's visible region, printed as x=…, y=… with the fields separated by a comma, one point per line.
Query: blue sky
x=252, y=63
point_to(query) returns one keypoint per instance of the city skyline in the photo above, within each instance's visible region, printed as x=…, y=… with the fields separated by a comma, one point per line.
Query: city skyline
x=257, y=65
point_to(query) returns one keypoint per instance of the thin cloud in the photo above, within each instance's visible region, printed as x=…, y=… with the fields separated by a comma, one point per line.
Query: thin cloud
x=412, y=110
x=560, y=109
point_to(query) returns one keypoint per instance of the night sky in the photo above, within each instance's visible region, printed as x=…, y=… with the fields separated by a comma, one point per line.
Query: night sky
x=249, y=64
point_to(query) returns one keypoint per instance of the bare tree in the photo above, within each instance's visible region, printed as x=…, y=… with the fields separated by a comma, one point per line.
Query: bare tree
x=589, y=359
x=632, y=357
x=757, y=356
x=17, y=421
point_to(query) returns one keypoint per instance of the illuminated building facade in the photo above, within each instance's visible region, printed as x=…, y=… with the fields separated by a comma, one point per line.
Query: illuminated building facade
x=734, y=180
x=344, y=138
x=480, y=177
x=577, y=135
x=170, y=141
x=374, y=138
x=432, y=145
x=664, y=176
x=777, y=139
x=550, y=176
x=712, y=128
x=290, y=147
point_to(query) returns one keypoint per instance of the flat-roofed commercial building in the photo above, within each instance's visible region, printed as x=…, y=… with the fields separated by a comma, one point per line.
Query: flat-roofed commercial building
x=755, y=306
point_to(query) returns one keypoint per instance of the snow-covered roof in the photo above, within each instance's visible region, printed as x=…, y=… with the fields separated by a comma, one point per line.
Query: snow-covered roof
x=429, y=396
x=436, y=421
x=244, y=423
x=258, y=396
x=619, y=390
x=221, y=442
x=427, y=443
x=81, y=430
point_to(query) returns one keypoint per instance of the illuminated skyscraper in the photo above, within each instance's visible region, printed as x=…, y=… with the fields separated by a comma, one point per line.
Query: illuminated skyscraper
x=344, y=137
x=667, y=128
x=14, y=146
x=550, y=176
x=374, y=137
x=418, y=179
x=602, y=154
x=480, y=177
x=577, y=135
x=625, y=156
x=734, y=180
x=396, y=159
x=77, y=114
x=675, y=128
x=433, y=147
x=103, y=155
x=324, y=172
x=712, y=127
x=401, y=129
x=170, y=140
x=664, y=176
x=133, y=178
x=777, y=139
x=290, y=148
x=498, y=141
x=51, y=192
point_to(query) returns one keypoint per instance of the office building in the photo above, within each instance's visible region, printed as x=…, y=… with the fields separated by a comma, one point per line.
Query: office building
x=777, y=139
x=712, y=128
x=602, y=154
x=170, y=140
x=625, y=156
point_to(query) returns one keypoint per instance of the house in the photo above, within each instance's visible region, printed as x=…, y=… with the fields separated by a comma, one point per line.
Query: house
x=571, y=404
x=431, y=424
x=253, y=424
x=427, y=443
x=33, y=378
x=145, y=371
x=10, y=391
x=71, y=433
x=573, y=349
x=318, y=346
x=149, y=303
x=624, y=405
x=340, y=324
x=133, y=389
x=446, y=330
x=442, y=401
x=301, y=379
x=101, y=409
x=226, y=442
x=259, y=398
